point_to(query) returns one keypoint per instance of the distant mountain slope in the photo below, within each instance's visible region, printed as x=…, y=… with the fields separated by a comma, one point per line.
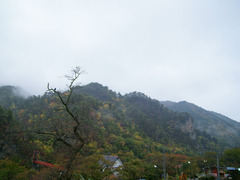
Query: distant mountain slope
x=98, y=91
x=156, y=121
x=165, y=126
x=223, y=128
x=133, y=122
x=10, y=95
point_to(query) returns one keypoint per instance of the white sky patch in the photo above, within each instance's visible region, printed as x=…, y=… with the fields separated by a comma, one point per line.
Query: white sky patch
x=169, y=50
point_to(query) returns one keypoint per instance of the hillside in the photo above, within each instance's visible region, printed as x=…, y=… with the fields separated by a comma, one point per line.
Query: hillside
x=132, y=126
x=169, y=128
x=226, y=130
x=135, y=120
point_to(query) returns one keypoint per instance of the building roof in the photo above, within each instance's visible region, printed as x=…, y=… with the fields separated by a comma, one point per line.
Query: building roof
x=110, y=158
x=109, y=161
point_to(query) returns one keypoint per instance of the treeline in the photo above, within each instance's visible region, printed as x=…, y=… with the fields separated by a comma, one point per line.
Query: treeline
x=134, y=127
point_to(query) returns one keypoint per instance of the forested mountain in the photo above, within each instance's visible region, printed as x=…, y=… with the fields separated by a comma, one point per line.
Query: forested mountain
x=155, y=121
x=132, y=126
x=226, y=130
x=144, y=117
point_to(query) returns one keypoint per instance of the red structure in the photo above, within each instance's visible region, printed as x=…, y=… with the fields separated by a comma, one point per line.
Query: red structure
x=36, y=163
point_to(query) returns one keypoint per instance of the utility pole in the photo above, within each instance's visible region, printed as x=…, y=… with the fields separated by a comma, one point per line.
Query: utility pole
x=164, y=165
x=218, y=174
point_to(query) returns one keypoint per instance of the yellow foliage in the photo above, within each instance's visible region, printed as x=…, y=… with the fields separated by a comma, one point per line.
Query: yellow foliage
x=42, y=116
x=21, y=112
x=92, y=145
x=137, y=137
x=39, y=144
x=120, y=127
x=123, y=108
x=13, y=106
x=122, y=143
x=98, y=115
x=106, y=106
x=48, y=149
x=52, y=104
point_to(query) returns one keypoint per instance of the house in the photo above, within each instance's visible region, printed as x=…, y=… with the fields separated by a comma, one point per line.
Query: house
x=214, y=172
x=112, y=162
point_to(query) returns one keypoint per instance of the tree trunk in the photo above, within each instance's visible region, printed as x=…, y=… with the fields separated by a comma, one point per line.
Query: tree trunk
x=68, y=172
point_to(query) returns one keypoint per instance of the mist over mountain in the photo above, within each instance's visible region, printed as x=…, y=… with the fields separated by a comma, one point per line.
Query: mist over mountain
x=15, y=91
x=215, y=124
x=9, y=94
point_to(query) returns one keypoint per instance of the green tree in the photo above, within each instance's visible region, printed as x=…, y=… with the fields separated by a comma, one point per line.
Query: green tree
x=11, y=170
x=6, y=117
x=90, y=167
x=231, y=157
x=133, y=170
x=210, y=158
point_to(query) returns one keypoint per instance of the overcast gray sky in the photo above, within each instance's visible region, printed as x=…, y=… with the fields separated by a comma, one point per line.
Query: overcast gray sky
x=168, y=49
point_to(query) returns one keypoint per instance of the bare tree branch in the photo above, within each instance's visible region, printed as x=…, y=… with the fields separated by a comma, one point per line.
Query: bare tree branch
x=65, y=101
x=57, y=138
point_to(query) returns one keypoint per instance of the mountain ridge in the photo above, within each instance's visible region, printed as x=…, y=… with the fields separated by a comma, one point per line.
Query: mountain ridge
x=133, y=126
x=215, y=124
x=136, y=110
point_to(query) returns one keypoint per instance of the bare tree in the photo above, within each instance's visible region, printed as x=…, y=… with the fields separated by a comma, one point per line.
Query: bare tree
x=72, y=138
